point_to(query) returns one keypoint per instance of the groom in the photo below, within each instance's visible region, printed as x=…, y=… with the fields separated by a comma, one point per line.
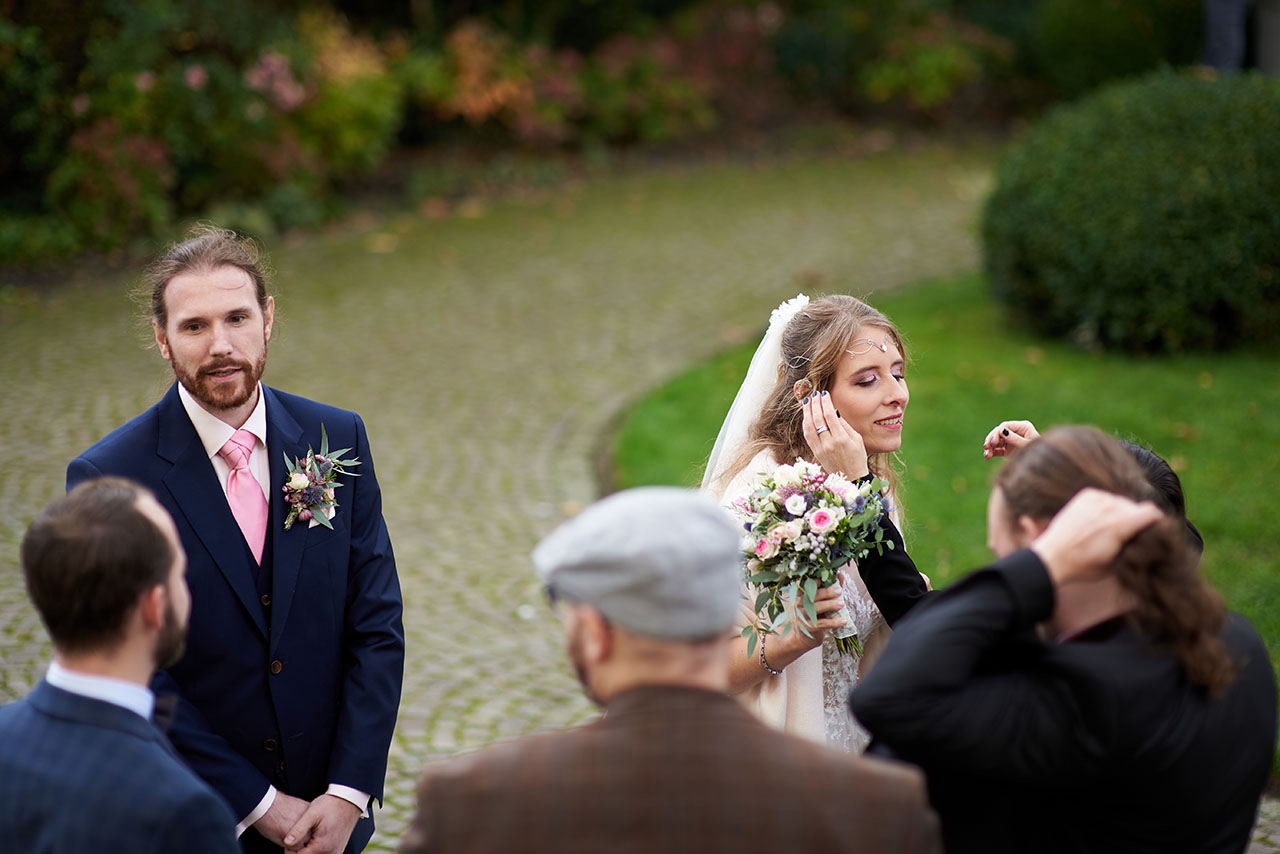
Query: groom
x=288, y=691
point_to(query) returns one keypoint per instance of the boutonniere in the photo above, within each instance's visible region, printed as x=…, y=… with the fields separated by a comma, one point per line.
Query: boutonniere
x=311, y=482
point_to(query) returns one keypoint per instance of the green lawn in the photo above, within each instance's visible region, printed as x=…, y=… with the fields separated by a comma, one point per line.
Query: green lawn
x=1215, y=417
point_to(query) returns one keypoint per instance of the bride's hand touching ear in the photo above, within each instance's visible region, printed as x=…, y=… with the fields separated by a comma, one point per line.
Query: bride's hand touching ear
x=836, y=446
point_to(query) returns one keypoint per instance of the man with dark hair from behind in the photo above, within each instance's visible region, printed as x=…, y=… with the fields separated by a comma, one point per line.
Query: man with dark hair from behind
x=82, y=767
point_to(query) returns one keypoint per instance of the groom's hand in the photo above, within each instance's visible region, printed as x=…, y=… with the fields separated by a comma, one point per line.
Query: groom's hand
x=283, y=814
x=324, y=828
x=1088, y=532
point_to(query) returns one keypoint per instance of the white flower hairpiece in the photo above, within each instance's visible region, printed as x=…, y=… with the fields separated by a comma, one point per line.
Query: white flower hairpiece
x=782, y=315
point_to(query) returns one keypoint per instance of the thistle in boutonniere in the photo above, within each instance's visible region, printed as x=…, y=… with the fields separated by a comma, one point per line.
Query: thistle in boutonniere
x=311, y=482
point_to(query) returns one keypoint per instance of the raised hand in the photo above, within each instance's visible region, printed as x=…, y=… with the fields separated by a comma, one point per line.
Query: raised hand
x=1085, y=536
x=836, y=446
x=1007, y=436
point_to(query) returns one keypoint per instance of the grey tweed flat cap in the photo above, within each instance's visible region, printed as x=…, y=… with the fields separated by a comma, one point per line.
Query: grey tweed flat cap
x=658, y=560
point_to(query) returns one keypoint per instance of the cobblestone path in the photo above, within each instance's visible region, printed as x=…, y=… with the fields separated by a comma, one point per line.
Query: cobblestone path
x=488, y=352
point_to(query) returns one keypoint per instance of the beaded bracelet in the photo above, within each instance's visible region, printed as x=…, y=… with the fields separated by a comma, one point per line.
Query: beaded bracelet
x=771, y=671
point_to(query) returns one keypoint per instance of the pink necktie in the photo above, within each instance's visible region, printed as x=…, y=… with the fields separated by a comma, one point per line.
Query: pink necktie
x=244, y=493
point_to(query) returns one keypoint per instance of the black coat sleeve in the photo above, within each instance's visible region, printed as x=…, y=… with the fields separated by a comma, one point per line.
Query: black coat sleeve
x=931, y=700
x=893, y=581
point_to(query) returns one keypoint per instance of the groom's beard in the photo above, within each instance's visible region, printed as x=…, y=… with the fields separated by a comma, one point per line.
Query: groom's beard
x=221, y=396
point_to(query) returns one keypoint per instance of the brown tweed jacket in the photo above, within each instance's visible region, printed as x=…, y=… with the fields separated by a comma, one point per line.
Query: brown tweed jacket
x=670, y=770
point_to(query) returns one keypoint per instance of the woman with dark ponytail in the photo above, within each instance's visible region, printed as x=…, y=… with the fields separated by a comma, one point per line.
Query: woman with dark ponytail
x=1088, y=691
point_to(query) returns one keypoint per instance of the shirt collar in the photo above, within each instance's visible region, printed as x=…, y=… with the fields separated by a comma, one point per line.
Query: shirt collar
x=118, y=692
x=214, y=432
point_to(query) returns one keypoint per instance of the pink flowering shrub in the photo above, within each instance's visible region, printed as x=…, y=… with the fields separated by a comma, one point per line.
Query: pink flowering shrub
x=272, y=77
x=627, y=89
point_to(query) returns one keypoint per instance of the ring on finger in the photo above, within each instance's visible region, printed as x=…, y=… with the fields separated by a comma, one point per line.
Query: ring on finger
x=822, y=430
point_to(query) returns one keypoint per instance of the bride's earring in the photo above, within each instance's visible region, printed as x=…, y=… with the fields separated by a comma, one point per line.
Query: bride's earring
x=802, y=388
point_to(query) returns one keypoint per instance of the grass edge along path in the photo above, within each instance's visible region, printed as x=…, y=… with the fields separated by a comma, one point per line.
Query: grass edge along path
x=1215, y=417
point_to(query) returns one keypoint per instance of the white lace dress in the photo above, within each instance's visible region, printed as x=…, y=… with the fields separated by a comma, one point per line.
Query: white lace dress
x=810, y=697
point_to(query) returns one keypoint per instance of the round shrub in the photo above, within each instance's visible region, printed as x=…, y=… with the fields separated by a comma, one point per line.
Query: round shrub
x=1145, y=217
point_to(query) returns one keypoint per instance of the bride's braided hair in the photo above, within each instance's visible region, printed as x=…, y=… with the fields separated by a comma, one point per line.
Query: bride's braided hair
x=1175, y=608
x=813, y=343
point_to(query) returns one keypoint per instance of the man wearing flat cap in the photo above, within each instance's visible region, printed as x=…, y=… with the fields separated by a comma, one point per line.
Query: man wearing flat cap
x=648, y=587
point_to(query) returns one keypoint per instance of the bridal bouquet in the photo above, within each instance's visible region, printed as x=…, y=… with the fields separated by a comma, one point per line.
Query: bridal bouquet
x=803, y=526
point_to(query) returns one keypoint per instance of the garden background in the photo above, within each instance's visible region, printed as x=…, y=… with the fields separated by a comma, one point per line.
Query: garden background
x=551, y=233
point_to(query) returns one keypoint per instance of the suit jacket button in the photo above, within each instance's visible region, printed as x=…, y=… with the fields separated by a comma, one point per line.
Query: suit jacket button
x=266, y=599
x=269, y=744
x=276, y=667
x=282, y=767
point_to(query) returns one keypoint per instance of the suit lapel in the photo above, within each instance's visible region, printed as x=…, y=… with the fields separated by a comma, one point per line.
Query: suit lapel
x=194, y=486
x=284, y=438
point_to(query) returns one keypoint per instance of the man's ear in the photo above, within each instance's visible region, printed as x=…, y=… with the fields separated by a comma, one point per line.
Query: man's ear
x=1031, y=528
x=597, y=635
x=162, y=341
x=151, y=607
x=268, y=318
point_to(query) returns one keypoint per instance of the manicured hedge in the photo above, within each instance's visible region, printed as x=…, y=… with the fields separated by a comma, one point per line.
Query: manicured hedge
x=1146, y=216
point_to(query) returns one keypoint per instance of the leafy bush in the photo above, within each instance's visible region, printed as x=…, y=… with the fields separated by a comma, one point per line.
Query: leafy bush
x=628, y=89
x=928, y=65
x=33, y=126
x=483, y=77
x=350, y=116
x=1144, y=217
x=113, y=184
x=28, y=240
x=823, y=45
x=636, y=90
x=1079, y=44
x=168, y=109
x=855, y=55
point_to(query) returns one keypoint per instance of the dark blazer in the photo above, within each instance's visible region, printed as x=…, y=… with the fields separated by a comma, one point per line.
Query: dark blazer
x=299, y=687
x=1096, y=744
x=670, y=770
x=82, y=775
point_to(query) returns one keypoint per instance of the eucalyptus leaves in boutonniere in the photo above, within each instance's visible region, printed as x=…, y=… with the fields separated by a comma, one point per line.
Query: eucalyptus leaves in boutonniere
x=311, y=482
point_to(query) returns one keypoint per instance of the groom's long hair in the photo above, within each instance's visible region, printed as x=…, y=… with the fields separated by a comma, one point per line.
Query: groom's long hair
x=206, y=248
x=1176, y=609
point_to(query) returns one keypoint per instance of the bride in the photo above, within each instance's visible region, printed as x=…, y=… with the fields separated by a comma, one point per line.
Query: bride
x=828, y=383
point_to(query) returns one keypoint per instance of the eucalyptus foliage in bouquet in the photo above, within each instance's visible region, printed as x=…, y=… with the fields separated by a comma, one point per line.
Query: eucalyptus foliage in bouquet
x=803, y=525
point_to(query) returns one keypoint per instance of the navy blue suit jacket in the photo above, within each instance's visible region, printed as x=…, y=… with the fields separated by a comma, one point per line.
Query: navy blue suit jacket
x=309, y=697
x=82, y=775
